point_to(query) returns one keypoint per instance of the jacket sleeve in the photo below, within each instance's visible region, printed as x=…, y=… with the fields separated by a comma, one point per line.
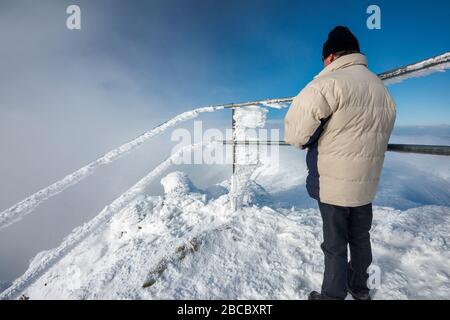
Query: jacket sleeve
x=308, y=111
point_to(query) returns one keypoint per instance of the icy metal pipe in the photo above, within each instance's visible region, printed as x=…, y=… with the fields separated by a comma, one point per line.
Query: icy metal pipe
x=256, y=102
x=422, y=149
x=406, y=148
x=422, y=68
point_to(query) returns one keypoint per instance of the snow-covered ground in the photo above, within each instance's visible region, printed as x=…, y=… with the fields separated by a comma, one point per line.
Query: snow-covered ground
x=188, y=244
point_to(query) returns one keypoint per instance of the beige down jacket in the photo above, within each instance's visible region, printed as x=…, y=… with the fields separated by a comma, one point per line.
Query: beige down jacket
x=344, y=117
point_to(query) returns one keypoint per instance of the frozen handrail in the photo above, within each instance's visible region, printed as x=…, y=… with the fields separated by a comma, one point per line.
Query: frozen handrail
x=406, y=148
x=419, y=69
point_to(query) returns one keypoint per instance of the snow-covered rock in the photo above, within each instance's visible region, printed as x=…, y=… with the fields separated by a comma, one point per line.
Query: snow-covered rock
x=177, y=182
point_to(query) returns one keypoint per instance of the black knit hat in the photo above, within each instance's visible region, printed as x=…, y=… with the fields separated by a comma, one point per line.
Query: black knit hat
x=340, y=39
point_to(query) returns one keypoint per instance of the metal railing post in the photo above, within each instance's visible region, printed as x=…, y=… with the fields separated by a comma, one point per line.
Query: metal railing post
x=233, y=137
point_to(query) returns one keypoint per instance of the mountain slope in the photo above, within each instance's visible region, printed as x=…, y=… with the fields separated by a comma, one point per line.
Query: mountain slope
x=188, y=244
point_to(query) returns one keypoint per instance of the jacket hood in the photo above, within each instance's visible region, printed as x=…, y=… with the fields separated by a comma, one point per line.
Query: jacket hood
x=344, y=62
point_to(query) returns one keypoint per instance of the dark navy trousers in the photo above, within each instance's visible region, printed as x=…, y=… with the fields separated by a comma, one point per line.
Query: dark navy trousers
x=345, y=227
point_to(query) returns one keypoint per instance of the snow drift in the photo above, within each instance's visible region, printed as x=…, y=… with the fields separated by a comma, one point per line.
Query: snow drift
x=189, y=245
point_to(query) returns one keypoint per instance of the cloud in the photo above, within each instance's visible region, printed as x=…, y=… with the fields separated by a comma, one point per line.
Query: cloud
x=64, y=101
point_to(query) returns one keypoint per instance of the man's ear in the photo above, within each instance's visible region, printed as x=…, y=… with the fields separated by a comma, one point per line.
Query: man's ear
x=332, y=57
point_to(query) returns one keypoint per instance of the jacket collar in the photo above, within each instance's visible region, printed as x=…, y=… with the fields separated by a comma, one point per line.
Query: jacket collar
x=344, y=62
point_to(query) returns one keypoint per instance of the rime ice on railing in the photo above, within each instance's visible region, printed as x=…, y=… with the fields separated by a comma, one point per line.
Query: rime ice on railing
x=423, y=68
x=247, y=120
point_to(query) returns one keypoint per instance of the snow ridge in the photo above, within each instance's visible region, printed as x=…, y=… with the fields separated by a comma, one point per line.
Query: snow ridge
x=26, y=206
x=186, y=245
x=45, y=260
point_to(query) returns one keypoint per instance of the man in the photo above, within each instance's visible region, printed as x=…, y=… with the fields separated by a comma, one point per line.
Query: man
x=344, y=117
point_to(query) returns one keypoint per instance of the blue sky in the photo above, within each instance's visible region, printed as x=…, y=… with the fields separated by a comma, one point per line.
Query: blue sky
x=182, y=53
x=207, y=52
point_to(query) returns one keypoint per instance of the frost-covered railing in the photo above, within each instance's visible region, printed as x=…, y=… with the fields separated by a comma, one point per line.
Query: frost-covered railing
x=49, y=258
x=418, y=69
x=406, y=148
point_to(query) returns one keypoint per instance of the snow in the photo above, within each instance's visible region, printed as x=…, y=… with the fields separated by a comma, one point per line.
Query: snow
x=250, y=117
x=45, y=260
x=177, y=182
x=26, y=206
x=254, y=236
x=276, y=105
x=187, y=245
